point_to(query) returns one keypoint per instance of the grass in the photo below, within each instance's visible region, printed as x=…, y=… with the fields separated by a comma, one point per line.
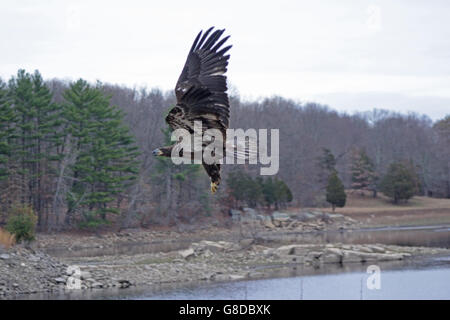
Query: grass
x=381, y=211
x=357, y=203
x=6, y=239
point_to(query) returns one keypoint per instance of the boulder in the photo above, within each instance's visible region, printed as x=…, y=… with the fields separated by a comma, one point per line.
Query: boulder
x=285, y=250
x=124, y=283
x=213, y=246
x=187, y=254
x=235, y=215
x=96, y=285
x=280, y=216
x=250, y=212
x=336, y=216
x=332, y=258
x=269, y=224
x=60, y=280
x=305, y=216
x=376, y=248
x=4, y=256
x=335, y=251
x=245, y=243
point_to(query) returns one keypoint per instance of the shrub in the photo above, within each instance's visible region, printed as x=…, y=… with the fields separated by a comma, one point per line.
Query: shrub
x=22, y=223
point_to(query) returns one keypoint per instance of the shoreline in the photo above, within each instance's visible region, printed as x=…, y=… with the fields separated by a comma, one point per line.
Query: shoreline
x=248, y=249
x=202, y=262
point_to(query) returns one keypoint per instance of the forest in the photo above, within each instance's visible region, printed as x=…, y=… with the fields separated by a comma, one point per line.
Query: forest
x=79, y=155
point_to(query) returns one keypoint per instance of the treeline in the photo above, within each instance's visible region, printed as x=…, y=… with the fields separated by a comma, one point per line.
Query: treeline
x=71, y=162
x=268, y=192
x=75, y=158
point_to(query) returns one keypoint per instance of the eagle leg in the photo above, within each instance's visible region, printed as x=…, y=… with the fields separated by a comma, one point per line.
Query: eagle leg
x=214, y=186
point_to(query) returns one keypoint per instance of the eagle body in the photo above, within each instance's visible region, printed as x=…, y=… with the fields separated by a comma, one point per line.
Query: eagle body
x=201, y=93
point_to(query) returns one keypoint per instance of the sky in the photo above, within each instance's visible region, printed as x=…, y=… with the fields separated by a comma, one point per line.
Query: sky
x=353, y=55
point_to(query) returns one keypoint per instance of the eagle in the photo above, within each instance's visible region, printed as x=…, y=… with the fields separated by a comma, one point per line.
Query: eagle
x=201, y=93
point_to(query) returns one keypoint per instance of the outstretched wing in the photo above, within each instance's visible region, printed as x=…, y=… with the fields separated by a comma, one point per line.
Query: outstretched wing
x=201, y=87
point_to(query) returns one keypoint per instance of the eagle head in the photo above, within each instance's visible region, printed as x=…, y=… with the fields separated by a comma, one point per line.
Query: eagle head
x=163, y=151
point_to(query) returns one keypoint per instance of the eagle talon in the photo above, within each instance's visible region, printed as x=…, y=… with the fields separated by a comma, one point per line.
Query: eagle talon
x=214, y=187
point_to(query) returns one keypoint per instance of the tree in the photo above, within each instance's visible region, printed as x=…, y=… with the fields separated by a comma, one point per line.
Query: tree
x=400, y=182
x=176, y=185
x=442, y=154
x=326, y=164
x=243, y=188
x=7, y=119
x=106, y=155
x=335, y=191
x=37, y=123
x=363, y=173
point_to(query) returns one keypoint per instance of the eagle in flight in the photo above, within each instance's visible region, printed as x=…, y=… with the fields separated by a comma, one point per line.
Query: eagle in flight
x=201, y=94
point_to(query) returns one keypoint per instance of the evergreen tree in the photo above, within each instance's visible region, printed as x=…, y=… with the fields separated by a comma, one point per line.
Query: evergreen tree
x=335, y=191
x=259, y=191
x=106, y=155
x=243, y=188
x=363, y=174
x=400, y=182
x=176, y=182
x=268, y=190
x=326, y=164
x=37, y=123
x=7, y=119
x=283, y=194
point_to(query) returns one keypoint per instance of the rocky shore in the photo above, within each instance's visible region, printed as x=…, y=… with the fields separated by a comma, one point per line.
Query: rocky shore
x=25, y=270
x=248, y=249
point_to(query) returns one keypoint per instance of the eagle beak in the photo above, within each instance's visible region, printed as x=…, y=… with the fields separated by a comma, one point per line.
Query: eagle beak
x=157, y=152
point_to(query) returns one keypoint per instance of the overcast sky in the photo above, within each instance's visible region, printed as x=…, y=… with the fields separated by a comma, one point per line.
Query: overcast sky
x=353, y=55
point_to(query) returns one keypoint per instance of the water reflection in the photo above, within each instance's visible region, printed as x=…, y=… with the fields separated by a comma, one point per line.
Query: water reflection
x=429, y=236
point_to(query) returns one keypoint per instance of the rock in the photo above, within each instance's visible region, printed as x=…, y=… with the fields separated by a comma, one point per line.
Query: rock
x=60, y=280
x=245, y=243
x=336, y=216
x=376, y=248
x=335, y=251
x=212, y=246
x=124, y=283
x=269, y=224
x=351, y=256
x=332, y=258
x=250, y=212
x=236, y=277
x=285, y=250
x=305, y=216
x=365, y=249
x=96, y=285
x=187, y=254
x=235, y=215
x=280, y=217
x=5, y=256
x=314, y=254
x=84, y=275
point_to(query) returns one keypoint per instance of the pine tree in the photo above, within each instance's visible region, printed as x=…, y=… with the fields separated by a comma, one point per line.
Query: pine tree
x=37, y=122
x=326, y=164
x=7, y=118
x=177, y=185
x=400, y=182
x=283, y=194
x=363, y=174
x=335, y=191
x=106, y=155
